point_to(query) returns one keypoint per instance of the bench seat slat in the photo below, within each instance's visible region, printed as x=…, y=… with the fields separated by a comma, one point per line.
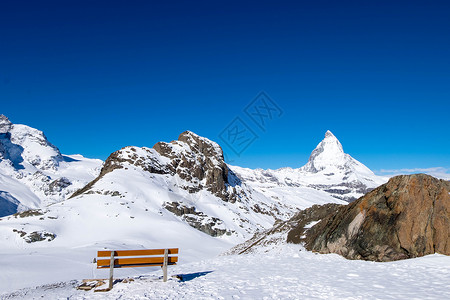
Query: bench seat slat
x=122, y=262
x=135, y=266
x=136, y=252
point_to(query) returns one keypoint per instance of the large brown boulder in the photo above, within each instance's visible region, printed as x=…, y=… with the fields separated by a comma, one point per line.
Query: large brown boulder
x=407, y=217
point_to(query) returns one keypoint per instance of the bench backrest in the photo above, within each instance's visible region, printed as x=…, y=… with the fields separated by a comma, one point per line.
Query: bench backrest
x=136, y=258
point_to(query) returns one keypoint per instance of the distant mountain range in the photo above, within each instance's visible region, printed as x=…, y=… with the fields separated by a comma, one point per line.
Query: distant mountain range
x=328, y=169
x=182, y=184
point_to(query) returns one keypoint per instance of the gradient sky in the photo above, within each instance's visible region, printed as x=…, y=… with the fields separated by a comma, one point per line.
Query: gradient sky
x=96, y=76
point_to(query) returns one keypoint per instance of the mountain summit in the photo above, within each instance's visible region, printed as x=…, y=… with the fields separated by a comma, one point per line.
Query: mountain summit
x=329, y=169
x=328, y=153
x=33, y=172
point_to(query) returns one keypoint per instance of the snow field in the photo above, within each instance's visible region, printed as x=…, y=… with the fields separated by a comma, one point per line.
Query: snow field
x=286, y=272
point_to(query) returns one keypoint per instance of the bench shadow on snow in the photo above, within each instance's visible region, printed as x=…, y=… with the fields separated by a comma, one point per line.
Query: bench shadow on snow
x=180, y=277
x=191, y=276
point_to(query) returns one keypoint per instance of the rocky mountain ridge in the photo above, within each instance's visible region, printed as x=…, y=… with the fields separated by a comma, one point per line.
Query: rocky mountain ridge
x=191, y=171
x=194, y=159
x=193, y=168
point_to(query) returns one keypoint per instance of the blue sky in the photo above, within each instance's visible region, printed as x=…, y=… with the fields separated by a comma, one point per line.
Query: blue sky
x=96, y=76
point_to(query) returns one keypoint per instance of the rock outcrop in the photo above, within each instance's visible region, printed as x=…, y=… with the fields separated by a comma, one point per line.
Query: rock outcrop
x=407, y=217
x=199, y=160
x=195, y=159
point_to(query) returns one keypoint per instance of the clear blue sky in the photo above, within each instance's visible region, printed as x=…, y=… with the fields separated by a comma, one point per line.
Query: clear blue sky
x=99, y=75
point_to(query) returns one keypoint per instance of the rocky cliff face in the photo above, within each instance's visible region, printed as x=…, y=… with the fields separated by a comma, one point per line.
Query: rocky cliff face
x=200, y=161
x=407, y=217
x=197, y=161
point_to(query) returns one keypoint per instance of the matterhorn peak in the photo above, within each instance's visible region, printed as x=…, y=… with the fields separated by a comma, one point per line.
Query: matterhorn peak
x=329, y=152
x=329, y=134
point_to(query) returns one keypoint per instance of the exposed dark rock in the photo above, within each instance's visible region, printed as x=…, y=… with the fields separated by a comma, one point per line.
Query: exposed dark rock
x=29, y=213
x=196, y=219
x=179, y=210
x=312, y=214
x=38, y=236
x=59, y=184
x=407, y=217
x=202, y=161
x=20, y=232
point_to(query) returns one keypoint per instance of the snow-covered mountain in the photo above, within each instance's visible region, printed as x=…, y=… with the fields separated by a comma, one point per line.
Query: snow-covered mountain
x=33, y=172
x=177, y=194
x=328, y=169
x=188, y=179
x=185, y=180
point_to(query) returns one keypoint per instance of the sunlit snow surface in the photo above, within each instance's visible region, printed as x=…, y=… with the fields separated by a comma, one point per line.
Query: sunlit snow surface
x=286, y=272
x=133, y=220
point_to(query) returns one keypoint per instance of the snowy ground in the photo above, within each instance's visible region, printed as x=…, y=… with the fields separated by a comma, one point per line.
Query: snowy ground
x=282, y=273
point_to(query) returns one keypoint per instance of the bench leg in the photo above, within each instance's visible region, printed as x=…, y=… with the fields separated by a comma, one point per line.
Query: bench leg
x=111, y=270
x=166, y=259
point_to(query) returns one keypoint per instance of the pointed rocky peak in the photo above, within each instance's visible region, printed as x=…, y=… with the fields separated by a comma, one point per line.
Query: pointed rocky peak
x=195, y=159
x=5, y=124
x=329, y=152
x=187, y=134
x=329, y=134
x=201, y=144
x=330, y=143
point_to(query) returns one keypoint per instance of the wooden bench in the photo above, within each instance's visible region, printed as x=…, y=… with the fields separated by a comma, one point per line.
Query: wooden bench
x=136, y=258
